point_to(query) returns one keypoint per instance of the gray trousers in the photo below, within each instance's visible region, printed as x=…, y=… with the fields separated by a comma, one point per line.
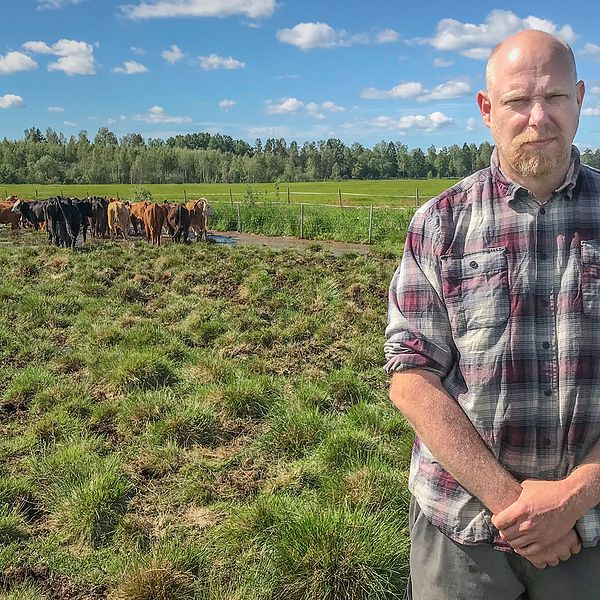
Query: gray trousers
x=441, y=569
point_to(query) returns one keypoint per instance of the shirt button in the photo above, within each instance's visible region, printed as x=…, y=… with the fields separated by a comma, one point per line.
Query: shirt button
x=543, y=256
x=545, y=303
x=473, y=264
x=548, y=393
x=546, y=345
x=542, y=211
x=547, y=442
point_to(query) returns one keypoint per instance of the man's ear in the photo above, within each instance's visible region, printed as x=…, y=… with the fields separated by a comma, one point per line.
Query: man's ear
x=485, y=106
x=580, y=93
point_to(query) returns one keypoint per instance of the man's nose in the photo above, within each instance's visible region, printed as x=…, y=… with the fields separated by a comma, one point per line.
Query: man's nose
x=538, y=114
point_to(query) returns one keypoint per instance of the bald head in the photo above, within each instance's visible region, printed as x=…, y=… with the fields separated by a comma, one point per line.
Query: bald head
x=531, y=41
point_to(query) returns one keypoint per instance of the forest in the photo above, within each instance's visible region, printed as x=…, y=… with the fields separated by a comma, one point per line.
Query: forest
x=50, y=157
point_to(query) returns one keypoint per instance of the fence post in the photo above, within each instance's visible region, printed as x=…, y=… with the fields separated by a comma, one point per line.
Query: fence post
x=118, y=197
x=231, y=196
x=370, y=224
x=288, y=195
x=302, y=221
x=184, y=195
x=417, y=197
x=239, y=216
x=340, y=196
x=36, y=194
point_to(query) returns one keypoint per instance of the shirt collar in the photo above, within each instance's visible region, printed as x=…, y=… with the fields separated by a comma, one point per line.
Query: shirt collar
x=509, y=189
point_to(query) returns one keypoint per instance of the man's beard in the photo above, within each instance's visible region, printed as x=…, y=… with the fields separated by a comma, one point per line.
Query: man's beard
x=534, y=162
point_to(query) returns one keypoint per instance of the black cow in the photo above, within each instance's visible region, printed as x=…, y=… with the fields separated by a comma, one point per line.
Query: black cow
x=63, y=221
x=24, y=209
x=85, y=210
x=99, y=216
x=178, y=222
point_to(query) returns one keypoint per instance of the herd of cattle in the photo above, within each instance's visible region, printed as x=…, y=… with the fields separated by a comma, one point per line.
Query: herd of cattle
x=65, y=218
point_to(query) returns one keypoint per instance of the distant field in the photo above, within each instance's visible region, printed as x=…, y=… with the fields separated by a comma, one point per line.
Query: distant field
x=396, y=192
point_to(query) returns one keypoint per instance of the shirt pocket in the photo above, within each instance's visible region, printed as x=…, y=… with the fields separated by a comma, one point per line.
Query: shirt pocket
x=590, y=278
x=475, y=287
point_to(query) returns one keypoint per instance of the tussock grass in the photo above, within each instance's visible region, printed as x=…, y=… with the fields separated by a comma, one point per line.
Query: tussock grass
x=28, y=383
x=140, y=369
x=250, y=397
x=84, y=493
x=155, y=581
x=12, y=525
x=329, y=553
x=198, y=421
x=295, y=431
x=24, y=591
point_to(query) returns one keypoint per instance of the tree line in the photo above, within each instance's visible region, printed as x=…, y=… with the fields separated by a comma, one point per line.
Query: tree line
x=50, y=157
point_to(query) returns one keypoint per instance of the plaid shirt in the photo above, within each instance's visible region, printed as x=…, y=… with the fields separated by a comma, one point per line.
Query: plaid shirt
x=500, y=297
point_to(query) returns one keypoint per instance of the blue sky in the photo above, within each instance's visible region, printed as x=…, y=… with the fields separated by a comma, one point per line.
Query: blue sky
x=304, y=70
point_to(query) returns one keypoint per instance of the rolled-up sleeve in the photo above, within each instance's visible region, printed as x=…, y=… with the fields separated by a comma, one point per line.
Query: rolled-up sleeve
x=418, y=334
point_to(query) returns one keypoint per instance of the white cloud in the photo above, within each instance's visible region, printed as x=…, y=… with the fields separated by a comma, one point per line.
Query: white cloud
x=591, y=111
x=70, y=123
x=227, y=104
x=55, y=4
x=16, y=61
x=253, y=9
x=441, y=63
x=173, y=55
x=138, y=51
x=38, y=47
x=326, y=106
x=471, y=124
x=595, y=90
x=454, y=35
x=430, y=122
x=288, y=77
x=285, y=106
x=445, y=91
x=11, y=101
x=477, y=53
x=310, y=35
x=591, y=50
x=75, y=58
x=156, y=114
x=131, y=67
x=322, y=35
x=387, y=36
x=213, y=61
x=293, y=106
x=414, y=89
x=56, y=109
x=406, y=89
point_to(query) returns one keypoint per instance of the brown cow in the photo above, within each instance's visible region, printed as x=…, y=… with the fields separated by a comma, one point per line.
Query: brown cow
x=118, y=218
x=8, y=217
x=199, y=211
x=154, y=217
x=137, y=215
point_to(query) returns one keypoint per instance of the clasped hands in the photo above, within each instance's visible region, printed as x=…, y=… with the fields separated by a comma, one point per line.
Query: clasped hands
x=539, y=525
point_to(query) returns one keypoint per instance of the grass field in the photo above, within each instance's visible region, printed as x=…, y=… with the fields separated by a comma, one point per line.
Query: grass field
x=398, y=192
x=197, y=422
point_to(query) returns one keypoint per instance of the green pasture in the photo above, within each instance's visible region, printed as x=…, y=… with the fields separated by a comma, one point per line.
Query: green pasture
x=197, y=422
x=397, y=192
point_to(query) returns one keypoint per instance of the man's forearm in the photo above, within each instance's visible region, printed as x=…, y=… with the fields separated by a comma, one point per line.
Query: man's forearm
x=444, y=428
x=584, y=481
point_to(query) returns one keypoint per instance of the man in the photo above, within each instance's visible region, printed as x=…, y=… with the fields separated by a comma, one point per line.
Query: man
x=493, y=342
